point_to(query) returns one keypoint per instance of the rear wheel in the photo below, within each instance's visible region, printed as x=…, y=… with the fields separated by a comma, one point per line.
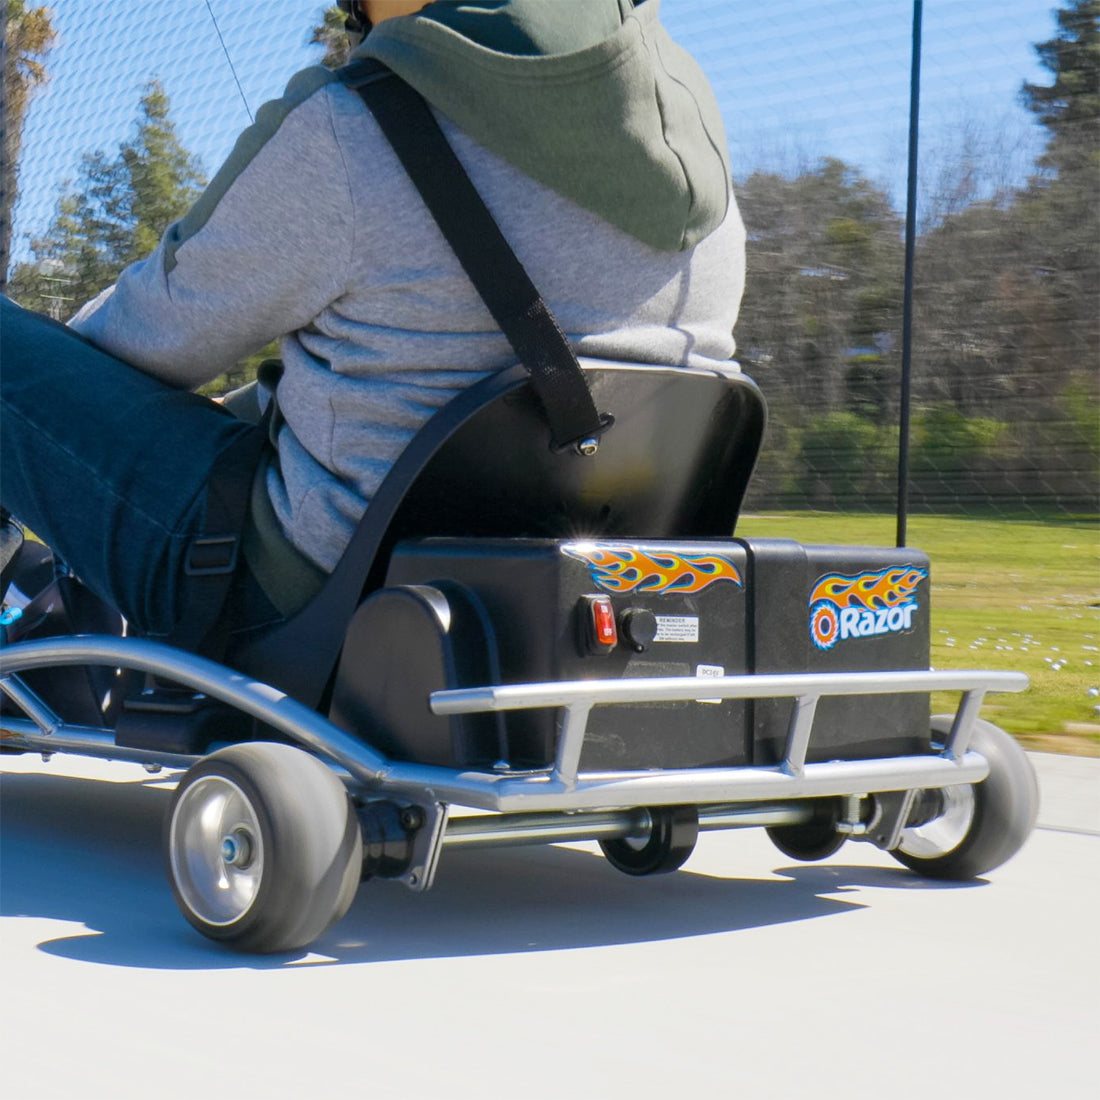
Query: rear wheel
x=969, y=830
x=811, y=840
x=263, y=847
x=671, y=839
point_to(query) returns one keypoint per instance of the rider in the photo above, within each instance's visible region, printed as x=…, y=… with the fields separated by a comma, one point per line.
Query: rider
x=594, y=140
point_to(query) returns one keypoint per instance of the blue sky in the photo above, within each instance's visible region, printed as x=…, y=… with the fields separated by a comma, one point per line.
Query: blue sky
x=797, y=80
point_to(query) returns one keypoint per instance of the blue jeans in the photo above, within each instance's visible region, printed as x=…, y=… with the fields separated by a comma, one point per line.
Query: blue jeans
x=109, y=467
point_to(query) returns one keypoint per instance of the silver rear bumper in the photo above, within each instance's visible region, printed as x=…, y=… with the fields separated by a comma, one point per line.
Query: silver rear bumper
x=561, y=788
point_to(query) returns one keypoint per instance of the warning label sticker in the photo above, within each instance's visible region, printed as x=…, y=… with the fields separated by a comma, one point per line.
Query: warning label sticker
x=677, y=628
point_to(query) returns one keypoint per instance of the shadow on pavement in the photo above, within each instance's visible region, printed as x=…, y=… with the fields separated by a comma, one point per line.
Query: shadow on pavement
x=87, y=851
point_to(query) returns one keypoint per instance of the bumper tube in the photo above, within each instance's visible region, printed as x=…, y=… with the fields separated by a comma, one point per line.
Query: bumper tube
x=561, y=788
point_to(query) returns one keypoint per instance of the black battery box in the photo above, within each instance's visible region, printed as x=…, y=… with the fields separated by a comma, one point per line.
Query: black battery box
x=839, y=609
x=472, y=612
x=557, y=610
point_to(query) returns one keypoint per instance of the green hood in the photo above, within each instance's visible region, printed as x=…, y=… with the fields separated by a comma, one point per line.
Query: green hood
x=589, y=97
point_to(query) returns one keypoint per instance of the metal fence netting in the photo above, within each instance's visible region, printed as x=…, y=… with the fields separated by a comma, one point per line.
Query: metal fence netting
x=117, y=111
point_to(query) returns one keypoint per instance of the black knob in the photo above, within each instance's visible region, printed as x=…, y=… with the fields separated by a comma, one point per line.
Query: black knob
x=638, y=627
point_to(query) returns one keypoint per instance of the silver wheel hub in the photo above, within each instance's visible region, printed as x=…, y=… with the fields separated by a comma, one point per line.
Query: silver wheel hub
x=945, y=832
x=636, y=842
x=216, y=850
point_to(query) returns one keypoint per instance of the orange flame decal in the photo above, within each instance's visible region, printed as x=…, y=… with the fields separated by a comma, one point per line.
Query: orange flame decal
x=887, y=588
x=623, y=569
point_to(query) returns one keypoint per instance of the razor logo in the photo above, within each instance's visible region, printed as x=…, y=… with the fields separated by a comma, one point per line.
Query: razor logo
x=863, y=605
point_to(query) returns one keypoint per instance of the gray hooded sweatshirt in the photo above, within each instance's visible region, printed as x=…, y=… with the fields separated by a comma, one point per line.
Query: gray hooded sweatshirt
x=595, y=142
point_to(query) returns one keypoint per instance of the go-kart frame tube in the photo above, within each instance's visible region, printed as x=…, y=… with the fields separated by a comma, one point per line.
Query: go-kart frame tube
x=562, y=788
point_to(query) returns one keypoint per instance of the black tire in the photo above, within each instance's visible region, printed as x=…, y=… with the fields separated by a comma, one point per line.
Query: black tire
x=672, y=836
x=263, y=847
x=984, y=824
x=814, y=839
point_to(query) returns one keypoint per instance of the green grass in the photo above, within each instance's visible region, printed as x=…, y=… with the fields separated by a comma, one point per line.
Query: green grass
x=1006, y=594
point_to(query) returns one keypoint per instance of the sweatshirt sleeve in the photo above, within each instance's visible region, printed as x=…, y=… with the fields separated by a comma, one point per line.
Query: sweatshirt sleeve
x=263, y=250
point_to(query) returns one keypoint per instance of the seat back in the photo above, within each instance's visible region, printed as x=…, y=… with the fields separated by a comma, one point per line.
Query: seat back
x=675, y=464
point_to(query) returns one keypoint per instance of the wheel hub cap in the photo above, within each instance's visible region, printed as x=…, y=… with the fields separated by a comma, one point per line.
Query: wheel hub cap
x=946, y=831
x=237, y=849
x=215, y=850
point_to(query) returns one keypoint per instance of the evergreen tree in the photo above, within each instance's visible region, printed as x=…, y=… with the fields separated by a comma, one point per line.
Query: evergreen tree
x=163, y=178
x=115, y=214
x=1060, y=212
x=1070, y=107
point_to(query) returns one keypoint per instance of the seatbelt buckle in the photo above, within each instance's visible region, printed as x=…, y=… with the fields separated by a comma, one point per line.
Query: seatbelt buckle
x=211, y=555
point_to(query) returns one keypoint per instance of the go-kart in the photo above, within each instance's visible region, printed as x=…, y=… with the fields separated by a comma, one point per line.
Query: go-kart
x=577, y=646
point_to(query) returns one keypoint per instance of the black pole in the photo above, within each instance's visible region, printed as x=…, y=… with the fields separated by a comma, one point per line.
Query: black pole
x=907, y=307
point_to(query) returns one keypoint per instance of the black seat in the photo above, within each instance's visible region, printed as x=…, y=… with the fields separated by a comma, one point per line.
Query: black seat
x=675, y=465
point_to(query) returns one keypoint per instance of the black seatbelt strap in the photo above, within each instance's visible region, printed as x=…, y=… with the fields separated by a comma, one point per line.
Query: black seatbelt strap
x=212, y=557
x=487, y=258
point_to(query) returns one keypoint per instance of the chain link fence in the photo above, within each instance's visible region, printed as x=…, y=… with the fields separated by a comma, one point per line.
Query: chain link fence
x=118, y=110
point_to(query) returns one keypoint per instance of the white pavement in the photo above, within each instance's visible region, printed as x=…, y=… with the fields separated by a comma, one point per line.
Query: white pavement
x=543, y=973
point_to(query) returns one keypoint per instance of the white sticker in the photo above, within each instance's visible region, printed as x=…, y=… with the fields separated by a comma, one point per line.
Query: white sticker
x=709, y=672
x=677, y=628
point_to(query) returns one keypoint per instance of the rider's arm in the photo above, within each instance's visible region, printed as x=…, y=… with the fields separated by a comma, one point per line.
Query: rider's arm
x=259, y=255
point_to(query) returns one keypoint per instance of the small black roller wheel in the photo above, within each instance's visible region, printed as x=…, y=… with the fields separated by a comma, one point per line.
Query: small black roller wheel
x=670, y=840
x=976, y=827
x=811, y=840
x=263, y=847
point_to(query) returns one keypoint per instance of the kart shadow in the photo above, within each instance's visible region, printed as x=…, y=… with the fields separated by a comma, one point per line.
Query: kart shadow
x=88, y=851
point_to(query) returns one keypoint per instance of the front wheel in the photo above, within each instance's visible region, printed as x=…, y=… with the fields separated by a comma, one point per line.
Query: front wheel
x=972, y=829
x=263, y=847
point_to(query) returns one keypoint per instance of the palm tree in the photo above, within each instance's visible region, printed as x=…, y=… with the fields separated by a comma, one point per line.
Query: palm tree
x=330, y=34
x=26, y=38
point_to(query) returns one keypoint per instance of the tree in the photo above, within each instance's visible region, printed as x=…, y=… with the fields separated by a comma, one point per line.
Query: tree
x=330, y=33
x=1006, y=285
x=1060, y=211
x=1070, y=107
x=27, y=37
x=824, y=286
x=819, y=324
x=85, y=246
x=163, y=177
x=115, y=214
x=1007, y=330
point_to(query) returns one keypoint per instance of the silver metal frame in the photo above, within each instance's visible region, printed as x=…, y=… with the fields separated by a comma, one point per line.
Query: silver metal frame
x=561, y=788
